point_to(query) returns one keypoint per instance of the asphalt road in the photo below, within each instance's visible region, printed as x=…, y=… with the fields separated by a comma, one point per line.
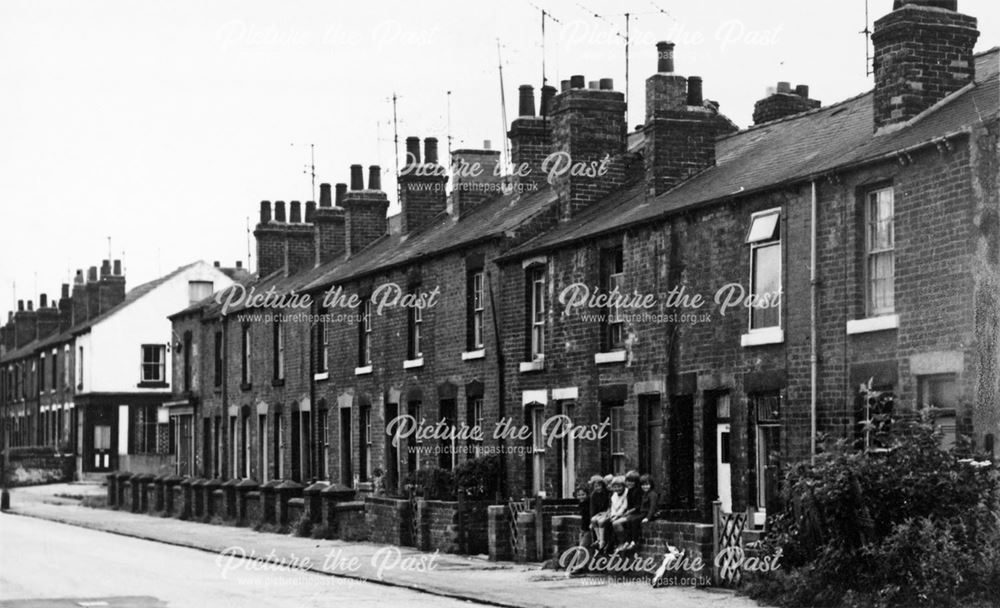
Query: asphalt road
x=47, y=564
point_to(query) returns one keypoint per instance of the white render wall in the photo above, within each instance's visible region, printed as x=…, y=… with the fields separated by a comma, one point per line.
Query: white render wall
x=113, y=347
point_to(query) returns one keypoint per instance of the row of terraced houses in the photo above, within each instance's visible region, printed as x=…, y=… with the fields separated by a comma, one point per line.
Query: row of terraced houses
x=769, y=274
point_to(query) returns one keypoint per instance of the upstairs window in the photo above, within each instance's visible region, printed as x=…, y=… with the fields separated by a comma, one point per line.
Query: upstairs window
x=218, y=359
x=187, y=354
x=365, y=333
x=764, y=238
x=247, y=363
x=476, y=310
x=279, y=350
x=536, y=311
x=880, y=245
x=41, y=373
x=79, y=369
x=612, y=320
x=415, y=318
x=322, y=342
x=154, y=362
x=55, y=369
x=199, y=290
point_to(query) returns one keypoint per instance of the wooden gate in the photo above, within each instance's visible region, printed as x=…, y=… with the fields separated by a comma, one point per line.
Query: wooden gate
x=514, y=508
x=728, y=540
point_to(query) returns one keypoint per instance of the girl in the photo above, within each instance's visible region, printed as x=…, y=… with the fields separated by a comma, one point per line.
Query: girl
x=646, y=512
x=599, y=504
x=623, y=524
x=619, y=504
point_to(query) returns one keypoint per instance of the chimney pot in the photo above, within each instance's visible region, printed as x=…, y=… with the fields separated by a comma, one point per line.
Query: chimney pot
x=92, y=274
x=239, y=264
x=217, y=264
x=577, y=81
x=117, y=268
x=20, y=306
x=295, y=213
x=665, y=56
x=310, y=211
x=486, y=144
x=79, y=276
x=31, y=306
x=430, y=151
x=341, y=190
x=802, y=91
x=526, y=100
x=548, y=92
x=412, y=150
x=279, y=212
x=594, y=84
x=65, y=291
x=324, y=196
x=784, y=87
x=607, y=84
x=358, y=177
x=43, y=301
x=563, y=86
x=105, y=268
x=265, y=212
x=694, y=91
x=375, y=177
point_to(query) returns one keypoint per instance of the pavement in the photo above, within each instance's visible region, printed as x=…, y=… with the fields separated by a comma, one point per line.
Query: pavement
x=474, y=579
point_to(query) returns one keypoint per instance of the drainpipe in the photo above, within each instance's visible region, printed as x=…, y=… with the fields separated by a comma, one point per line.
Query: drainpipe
x=813, y=347
x=504, y=486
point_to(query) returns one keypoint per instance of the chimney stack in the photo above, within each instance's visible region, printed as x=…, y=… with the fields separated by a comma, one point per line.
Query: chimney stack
x=48, y=317
x=110, y=289
x=588, y=125
x=80, y=310
x=364, y=212
x=329, y=222
x=531, y=142
x=923, y=53
x=422, y=193
x=783, y=102
x=25, y=324
x=270, y=239
x=300, y=242
x=680, y=129
x=474, y=179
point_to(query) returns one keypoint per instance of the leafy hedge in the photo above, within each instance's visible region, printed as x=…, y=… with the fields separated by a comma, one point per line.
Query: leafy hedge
x=479, y=478
x=909, y=526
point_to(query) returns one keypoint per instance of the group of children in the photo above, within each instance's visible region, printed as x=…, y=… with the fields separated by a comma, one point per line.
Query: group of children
x=613, y=509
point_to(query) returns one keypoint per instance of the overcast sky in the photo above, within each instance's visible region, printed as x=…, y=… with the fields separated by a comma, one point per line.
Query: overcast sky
x=163, y=124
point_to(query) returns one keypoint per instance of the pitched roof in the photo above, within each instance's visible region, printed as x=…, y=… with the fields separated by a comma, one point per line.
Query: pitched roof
x=131, y=296
x=785, y=151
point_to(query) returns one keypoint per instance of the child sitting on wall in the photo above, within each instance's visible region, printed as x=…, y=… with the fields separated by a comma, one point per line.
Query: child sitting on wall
x=599, y=504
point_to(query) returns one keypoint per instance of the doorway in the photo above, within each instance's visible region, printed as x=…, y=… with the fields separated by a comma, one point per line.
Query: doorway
x=346, y=468
x=681, y=431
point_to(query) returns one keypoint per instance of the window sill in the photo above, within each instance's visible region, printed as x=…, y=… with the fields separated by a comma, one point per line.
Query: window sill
x=614, y=356
x=473, y=354
x=145, y=384
x=363, y=371
x=880, y=323
x=760, y=337
x=321, y=376
x=278, y=382
x=532, y=366
x=245, y=386
x=413, y=363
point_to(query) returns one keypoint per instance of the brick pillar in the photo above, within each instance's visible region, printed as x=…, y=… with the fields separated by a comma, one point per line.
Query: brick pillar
x=499, y=532
x=286, y=491
x=527, y=547
x=112, y=489
x=269, y=502
x=241, y=490
x=229, y=499
x=313, y=501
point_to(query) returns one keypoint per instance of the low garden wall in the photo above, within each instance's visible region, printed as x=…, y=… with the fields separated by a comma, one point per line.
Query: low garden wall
x=27, y=466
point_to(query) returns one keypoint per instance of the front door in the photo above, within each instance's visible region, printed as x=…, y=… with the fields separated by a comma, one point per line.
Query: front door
x=723, y=467
x=346, y=469
x=651, y=437
x=185, y=444
x=567, y=454
x=768, y=452
x=682, y=452
x=391, y=450
x=102, y=447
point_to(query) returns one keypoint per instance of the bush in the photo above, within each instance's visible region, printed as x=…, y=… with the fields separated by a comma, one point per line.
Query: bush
x=303, y=527
x=479, y=477
x=432, y=483
x=910, y=526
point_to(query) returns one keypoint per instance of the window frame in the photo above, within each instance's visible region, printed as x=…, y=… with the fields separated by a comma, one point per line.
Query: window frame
x=870, y=251
x=537, y=310
x=477, y=309
x=278, y=329
x=365, y=333
x=414, y=332
x=756, y=245
x=612, y=275
x=160, y=364
x=246, y=364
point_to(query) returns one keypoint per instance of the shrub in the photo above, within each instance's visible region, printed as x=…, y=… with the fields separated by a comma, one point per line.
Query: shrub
x=479, y=477
x=303, y=527
x=909, y=526
x=432, y=483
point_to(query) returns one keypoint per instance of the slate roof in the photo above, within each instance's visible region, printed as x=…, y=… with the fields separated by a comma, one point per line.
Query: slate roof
x=786, y=151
